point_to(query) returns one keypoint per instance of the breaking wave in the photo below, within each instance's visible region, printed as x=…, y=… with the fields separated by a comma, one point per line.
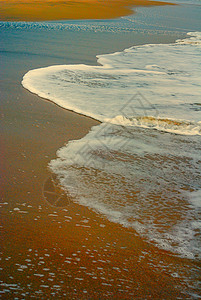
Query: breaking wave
x=141, y=166
x=168, y=125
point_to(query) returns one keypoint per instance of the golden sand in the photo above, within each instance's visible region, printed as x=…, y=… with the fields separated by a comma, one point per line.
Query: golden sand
x=37, y=10
x=91, y=257
x=73, y=251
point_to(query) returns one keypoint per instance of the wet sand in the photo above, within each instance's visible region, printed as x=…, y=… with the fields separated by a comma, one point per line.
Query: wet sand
x=70, y=251
x=66, y=252
x=36, y=10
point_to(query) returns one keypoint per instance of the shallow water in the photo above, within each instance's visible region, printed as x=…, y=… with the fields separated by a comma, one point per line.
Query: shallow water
x=156, y=87
x=141, y=170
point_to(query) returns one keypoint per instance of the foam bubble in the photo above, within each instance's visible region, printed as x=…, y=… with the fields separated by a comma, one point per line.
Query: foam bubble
x=140, y=166
x=138, y=180
x=169, y=88
x=168, y=125
x=195, y=198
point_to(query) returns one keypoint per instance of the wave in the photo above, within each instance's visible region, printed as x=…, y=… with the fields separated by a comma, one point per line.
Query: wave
x=159, y=81
x=140, y=180
x=194, y=39
x=125, y=168
x=65, y=25
x=167, y=125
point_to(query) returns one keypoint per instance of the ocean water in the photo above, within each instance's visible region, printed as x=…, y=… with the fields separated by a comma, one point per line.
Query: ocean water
x=141, y=166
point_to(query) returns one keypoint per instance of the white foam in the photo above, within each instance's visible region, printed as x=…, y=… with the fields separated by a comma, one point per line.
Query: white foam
x=131, y=168
x=168, y=125
x=167, y=76
x=195, y=198
x=134, y=168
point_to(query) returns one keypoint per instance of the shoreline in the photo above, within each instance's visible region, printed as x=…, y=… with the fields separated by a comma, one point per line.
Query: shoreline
x=33, y=10
x=76, y=239
x=97, y=122
x=90, y=256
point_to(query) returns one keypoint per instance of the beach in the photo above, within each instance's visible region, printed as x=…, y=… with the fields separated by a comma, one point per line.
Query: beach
x=70, y=251
x=33, y=10
x=65, y=249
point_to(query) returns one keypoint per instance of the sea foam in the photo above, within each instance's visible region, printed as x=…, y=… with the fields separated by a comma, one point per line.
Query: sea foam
x=161, y=82
x=141, y=166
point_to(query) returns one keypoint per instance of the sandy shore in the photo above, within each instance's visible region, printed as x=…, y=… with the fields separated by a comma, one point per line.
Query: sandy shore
x=36, y=10
x=68, y=252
